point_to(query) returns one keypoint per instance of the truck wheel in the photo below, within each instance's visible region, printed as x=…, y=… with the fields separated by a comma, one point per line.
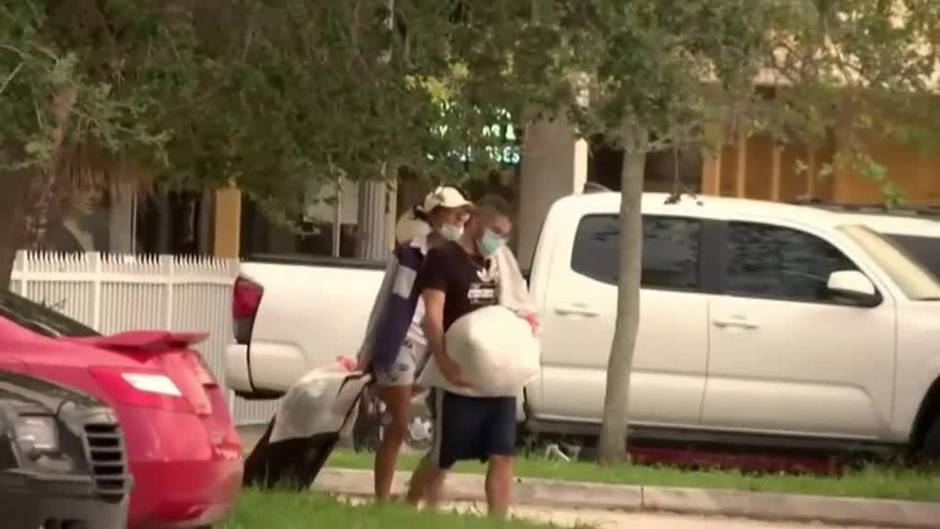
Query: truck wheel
x=930, y=450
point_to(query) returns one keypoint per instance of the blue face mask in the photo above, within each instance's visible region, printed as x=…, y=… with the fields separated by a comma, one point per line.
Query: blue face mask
x=450, y=232
x=490, y=243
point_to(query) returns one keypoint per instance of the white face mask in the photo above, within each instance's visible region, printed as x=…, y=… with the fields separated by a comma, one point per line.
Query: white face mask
x=450, y=232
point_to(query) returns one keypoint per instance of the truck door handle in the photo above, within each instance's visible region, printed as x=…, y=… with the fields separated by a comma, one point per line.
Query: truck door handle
x=740, y=322
x=577, y=309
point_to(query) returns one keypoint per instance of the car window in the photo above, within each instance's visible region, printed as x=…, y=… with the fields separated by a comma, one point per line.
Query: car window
x=780, y=263
x=910, y=275
x=39, y=318
x=670, y=251
x=924, y=250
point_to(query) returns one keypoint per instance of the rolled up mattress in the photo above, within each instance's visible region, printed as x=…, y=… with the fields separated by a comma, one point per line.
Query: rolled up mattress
x=496, y=351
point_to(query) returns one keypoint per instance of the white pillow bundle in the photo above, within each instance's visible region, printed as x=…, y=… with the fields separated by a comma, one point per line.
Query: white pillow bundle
x=496, y=351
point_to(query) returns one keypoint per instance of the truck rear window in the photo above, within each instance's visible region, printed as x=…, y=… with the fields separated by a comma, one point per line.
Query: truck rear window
x=670, y=251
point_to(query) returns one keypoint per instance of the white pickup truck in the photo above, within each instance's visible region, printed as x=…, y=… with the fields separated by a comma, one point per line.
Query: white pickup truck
x=762, y=324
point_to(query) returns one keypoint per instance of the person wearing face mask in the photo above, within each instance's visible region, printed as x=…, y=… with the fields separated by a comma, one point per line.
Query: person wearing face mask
x=460, y=277
x=444, y=212
x=395, y=348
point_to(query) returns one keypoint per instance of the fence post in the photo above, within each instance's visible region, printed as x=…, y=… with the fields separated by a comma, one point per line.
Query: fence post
x=167, y=263
x=96, y=306
x=22, y=257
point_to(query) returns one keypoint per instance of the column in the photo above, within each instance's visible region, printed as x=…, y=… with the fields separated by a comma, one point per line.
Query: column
x=711, y=172
x=554, y=165
x=775, y=170
x=372, y=220
x=391, y=212
x=740, y=177
x=811, y=171
x=228, y=222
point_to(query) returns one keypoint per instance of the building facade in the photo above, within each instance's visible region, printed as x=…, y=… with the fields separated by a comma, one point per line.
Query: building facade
x=555, y=163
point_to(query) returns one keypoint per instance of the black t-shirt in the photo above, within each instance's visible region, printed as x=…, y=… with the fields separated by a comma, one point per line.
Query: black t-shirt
x=464, y=279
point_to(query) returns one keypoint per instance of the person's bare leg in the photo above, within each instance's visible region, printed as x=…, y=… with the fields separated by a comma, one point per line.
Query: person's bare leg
x=433, y=487
x=419, y=481
x=426, y=484
x=499, y=475
x=397, y=401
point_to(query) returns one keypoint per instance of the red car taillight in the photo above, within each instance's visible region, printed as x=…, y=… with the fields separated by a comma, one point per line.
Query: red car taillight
x=182, y=385
x=246, y=299
x=142, y=388
x=188, y=372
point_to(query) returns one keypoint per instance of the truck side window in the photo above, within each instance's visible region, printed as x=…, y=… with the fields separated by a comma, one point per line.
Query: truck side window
x=670, y=251
x=780, y=263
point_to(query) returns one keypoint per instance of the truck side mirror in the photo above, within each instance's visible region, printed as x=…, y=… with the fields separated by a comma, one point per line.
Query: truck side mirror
x=855, y=287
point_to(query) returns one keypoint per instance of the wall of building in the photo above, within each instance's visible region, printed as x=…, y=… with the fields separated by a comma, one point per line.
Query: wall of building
x=916, y=173
x=759, y=168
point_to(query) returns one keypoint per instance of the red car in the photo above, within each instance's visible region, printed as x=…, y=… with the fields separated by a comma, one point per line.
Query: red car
x=182, y=447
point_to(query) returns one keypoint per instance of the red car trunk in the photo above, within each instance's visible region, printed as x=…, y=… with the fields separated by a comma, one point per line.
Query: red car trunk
x=170, y=353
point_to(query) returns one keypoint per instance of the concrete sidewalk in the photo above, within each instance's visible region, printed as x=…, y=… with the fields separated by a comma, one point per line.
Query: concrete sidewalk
x=704, y=502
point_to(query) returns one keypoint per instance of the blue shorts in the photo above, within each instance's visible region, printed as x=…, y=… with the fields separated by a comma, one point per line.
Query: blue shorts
x=467, y=428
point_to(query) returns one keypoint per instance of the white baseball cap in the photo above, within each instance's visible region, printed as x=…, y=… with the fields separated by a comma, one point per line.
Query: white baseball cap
x=444, y=197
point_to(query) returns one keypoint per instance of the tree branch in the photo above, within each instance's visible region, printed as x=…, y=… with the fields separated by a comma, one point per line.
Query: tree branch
x=10, y=77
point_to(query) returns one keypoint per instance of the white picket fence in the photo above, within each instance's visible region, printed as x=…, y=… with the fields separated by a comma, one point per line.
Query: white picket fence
x=115, y=293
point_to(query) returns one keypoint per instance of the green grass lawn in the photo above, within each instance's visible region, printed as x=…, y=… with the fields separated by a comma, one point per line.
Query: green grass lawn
x=293, y=510
x=870, y=482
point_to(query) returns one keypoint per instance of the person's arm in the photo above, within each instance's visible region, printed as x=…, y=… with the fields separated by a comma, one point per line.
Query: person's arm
x=434, y=332
x=433, y=281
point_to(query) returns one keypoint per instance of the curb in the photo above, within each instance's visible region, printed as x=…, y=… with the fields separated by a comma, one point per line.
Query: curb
x=706, y=502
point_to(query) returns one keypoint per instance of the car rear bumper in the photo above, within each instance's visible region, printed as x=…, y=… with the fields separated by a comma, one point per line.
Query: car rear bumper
x=31, y=500
x=184, y=494
x=184, y=474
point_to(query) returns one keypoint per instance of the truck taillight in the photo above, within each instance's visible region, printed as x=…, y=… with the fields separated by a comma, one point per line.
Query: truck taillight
x=246, y=298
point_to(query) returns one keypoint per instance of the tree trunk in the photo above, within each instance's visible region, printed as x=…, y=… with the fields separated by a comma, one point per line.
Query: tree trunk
x=26, y=196
x=41, y=197
x=44, y=185
x=612, y=445
x=12, y=216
